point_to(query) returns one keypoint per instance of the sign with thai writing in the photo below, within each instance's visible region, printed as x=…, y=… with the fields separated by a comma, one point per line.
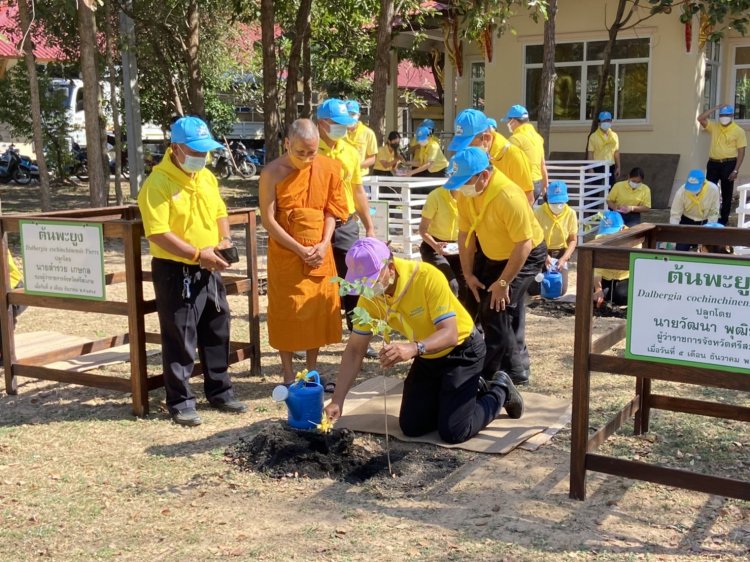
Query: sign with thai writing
x=379, y=214
x=63, y=259
x=689, y=311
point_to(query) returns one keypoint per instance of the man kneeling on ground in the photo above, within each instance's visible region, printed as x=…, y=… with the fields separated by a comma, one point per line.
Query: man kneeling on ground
x=444, y=389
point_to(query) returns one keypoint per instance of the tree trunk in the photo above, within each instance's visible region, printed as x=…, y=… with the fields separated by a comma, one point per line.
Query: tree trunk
x=438, y=69
x=306, y=76
x=195, y=82
x=36, y=108
x=382, y=69
x=270, y=83
x=91, y=106
x=295, y=56
x=109, y=33
x=546, y=103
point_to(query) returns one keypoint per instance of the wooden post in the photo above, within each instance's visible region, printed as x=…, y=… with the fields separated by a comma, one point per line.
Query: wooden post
x=581, y=375
x=136, y=318
x=251, y=249
x=6, y=317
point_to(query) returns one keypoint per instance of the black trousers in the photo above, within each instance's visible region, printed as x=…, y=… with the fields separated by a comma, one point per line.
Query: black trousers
x=717, y=171
x=449, y=265
x=344, y=238
x=616, y=291
x=380, y=173
x=193, y=312
x=505, y=330
x=688, y=247
x=441, y=394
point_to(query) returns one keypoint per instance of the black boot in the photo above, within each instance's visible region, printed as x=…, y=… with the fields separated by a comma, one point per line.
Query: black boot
x=513, y=399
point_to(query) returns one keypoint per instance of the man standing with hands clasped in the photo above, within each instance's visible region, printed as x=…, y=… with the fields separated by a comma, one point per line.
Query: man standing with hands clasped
x=186, y=224
x=728, y=142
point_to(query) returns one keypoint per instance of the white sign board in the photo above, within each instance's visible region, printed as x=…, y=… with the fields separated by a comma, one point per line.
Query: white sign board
x=379, y=215
x=63, y=259
x=689, y=311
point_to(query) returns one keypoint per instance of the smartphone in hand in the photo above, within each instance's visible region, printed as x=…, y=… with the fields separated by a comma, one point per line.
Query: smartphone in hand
x=229, y=255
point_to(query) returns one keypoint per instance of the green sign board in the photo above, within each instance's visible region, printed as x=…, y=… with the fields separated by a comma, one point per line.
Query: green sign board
x=689, y=310
x=63, y=259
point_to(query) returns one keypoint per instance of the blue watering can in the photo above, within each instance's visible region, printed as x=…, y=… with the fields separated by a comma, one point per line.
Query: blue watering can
x=304, y=401
x=551, y=285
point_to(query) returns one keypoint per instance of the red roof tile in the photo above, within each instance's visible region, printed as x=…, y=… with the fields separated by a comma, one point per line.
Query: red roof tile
x=10, y=37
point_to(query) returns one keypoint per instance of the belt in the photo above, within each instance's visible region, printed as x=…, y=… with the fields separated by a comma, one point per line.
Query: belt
x=340, y=222
x=733, y=159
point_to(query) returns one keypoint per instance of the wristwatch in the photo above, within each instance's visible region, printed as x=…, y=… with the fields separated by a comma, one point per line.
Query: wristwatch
x=421, y=349
x=502, y=282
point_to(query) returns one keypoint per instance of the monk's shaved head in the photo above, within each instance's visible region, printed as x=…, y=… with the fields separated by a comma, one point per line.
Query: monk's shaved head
x=303, y=129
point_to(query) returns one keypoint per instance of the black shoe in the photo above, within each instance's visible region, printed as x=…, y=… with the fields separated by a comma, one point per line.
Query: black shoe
x=232, y=406
x=513, y=399
x=188, y=417
x=484, y=387
x=522, y=379
x=371, y=353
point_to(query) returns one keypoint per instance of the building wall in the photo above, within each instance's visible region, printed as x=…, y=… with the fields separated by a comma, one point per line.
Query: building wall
x=675, y=90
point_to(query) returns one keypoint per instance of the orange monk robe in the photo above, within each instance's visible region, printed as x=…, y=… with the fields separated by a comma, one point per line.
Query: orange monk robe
x=303, y=304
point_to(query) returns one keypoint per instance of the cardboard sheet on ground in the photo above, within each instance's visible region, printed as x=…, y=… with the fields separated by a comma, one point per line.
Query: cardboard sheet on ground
x=543, y=417
x=33, y=343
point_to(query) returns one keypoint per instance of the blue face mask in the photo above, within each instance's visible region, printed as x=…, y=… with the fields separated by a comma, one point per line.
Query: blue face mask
x=605, y=126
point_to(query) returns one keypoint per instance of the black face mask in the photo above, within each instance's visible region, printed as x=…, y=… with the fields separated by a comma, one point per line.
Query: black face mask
x=394, y=145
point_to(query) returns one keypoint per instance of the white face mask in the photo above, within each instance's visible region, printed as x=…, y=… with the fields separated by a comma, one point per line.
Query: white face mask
x=634, y=184
x=726, y=120
x=605, y=126
x=468, y=190
x=379, y=288
x=510, y=128
x=556, y=208
x=422, y=143
x=192, y=164
x=336, y=131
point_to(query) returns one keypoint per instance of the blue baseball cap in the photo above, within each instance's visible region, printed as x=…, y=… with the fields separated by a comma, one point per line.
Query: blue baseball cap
x=695, y=180
x=193, y=132
x=492, y=122
x=423, y=134
x=464, y=165
x=557, y=192
x=516, y=112
x=468, y=124
x=429, y=123
x=352, y=106
x=335, y=110
x=714, y=225
x=605, y=116
x=611, y=222
x=727, y=110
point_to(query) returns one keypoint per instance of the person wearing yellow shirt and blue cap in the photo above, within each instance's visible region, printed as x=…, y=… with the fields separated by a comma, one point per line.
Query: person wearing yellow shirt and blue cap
x=429, y=160
x=604, y=145
x=445, y=389
x=696, y=202
x=362, y=137
x=727, y=152
x=611, y=284
x=185, y=221
x=525, y=137
x=502, y=249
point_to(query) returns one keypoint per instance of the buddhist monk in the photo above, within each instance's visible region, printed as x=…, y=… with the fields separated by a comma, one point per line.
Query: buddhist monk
x=301, y=198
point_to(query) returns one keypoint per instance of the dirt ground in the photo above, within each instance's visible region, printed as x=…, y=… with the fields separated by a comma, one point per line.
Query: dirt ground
x=82, y=479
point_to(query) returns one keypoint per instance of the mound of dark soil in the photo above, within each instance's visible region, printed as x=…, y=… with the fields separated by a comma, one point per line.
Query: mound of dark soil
x=280, y=451
x=560, y=309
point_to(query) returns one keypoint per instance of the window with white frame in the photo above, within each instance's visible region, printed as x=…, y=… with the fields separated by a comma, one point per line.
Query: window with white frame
x=741, y=78
x=577, y=65
x=476, y=84
x=711, y=75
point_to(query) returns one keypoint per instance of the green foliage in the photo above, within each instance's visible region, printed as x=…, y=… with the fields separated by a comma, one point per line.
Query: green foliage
x=361, y=316
x=56, y=127
x=478, y=15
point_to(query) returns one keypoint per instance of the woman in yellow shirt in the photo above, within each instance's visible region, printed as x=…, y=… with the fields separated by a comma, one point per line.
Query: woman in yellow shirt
x=439, y=231
x=630, y=198
x=428, y=158
x=389, y=156
x=611, y=284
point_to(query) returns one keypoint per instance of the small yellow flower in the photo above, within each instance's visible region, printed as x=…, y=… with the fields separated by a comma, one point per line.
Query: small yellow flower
x=301, y=376
x=325, y=425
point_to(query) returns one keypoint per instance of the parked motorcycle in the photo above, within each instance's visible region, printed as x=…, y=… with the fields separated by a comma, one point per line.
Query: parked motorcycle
x=222, y=163
x=80, y=166
x=17, y=168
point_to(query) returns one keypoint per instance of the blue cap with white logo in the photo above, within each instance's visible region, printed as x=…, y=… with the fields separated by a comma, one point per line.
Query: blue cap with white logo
x=726, y=110
x=695, y=180
x=429, y=123
x=557, y=192
x=423, y=134
x=468, y=124
x=193, y=132
x=492, y=122
x=516, y=112
x=611, y=222
x=335, y=110
x=352, y=107
x=464, y=165
x=605, y=116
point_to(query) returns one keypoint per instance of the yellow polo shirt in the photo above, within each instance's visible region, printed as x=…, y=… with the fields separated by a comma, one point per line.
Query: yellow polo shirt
x=511, y=161
x=14, y=273
x=172, y=201
x=364, y=140
x=700, y=206
x=604, y=145
x=557, y=228
x=442, y=210
x=351, y=172
x=385, y=154
x=501, y=216
x=613, y=274
x=531, y=143
x=725, y=141
x=431, y=152
x=414, y=312
x=622, y=194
